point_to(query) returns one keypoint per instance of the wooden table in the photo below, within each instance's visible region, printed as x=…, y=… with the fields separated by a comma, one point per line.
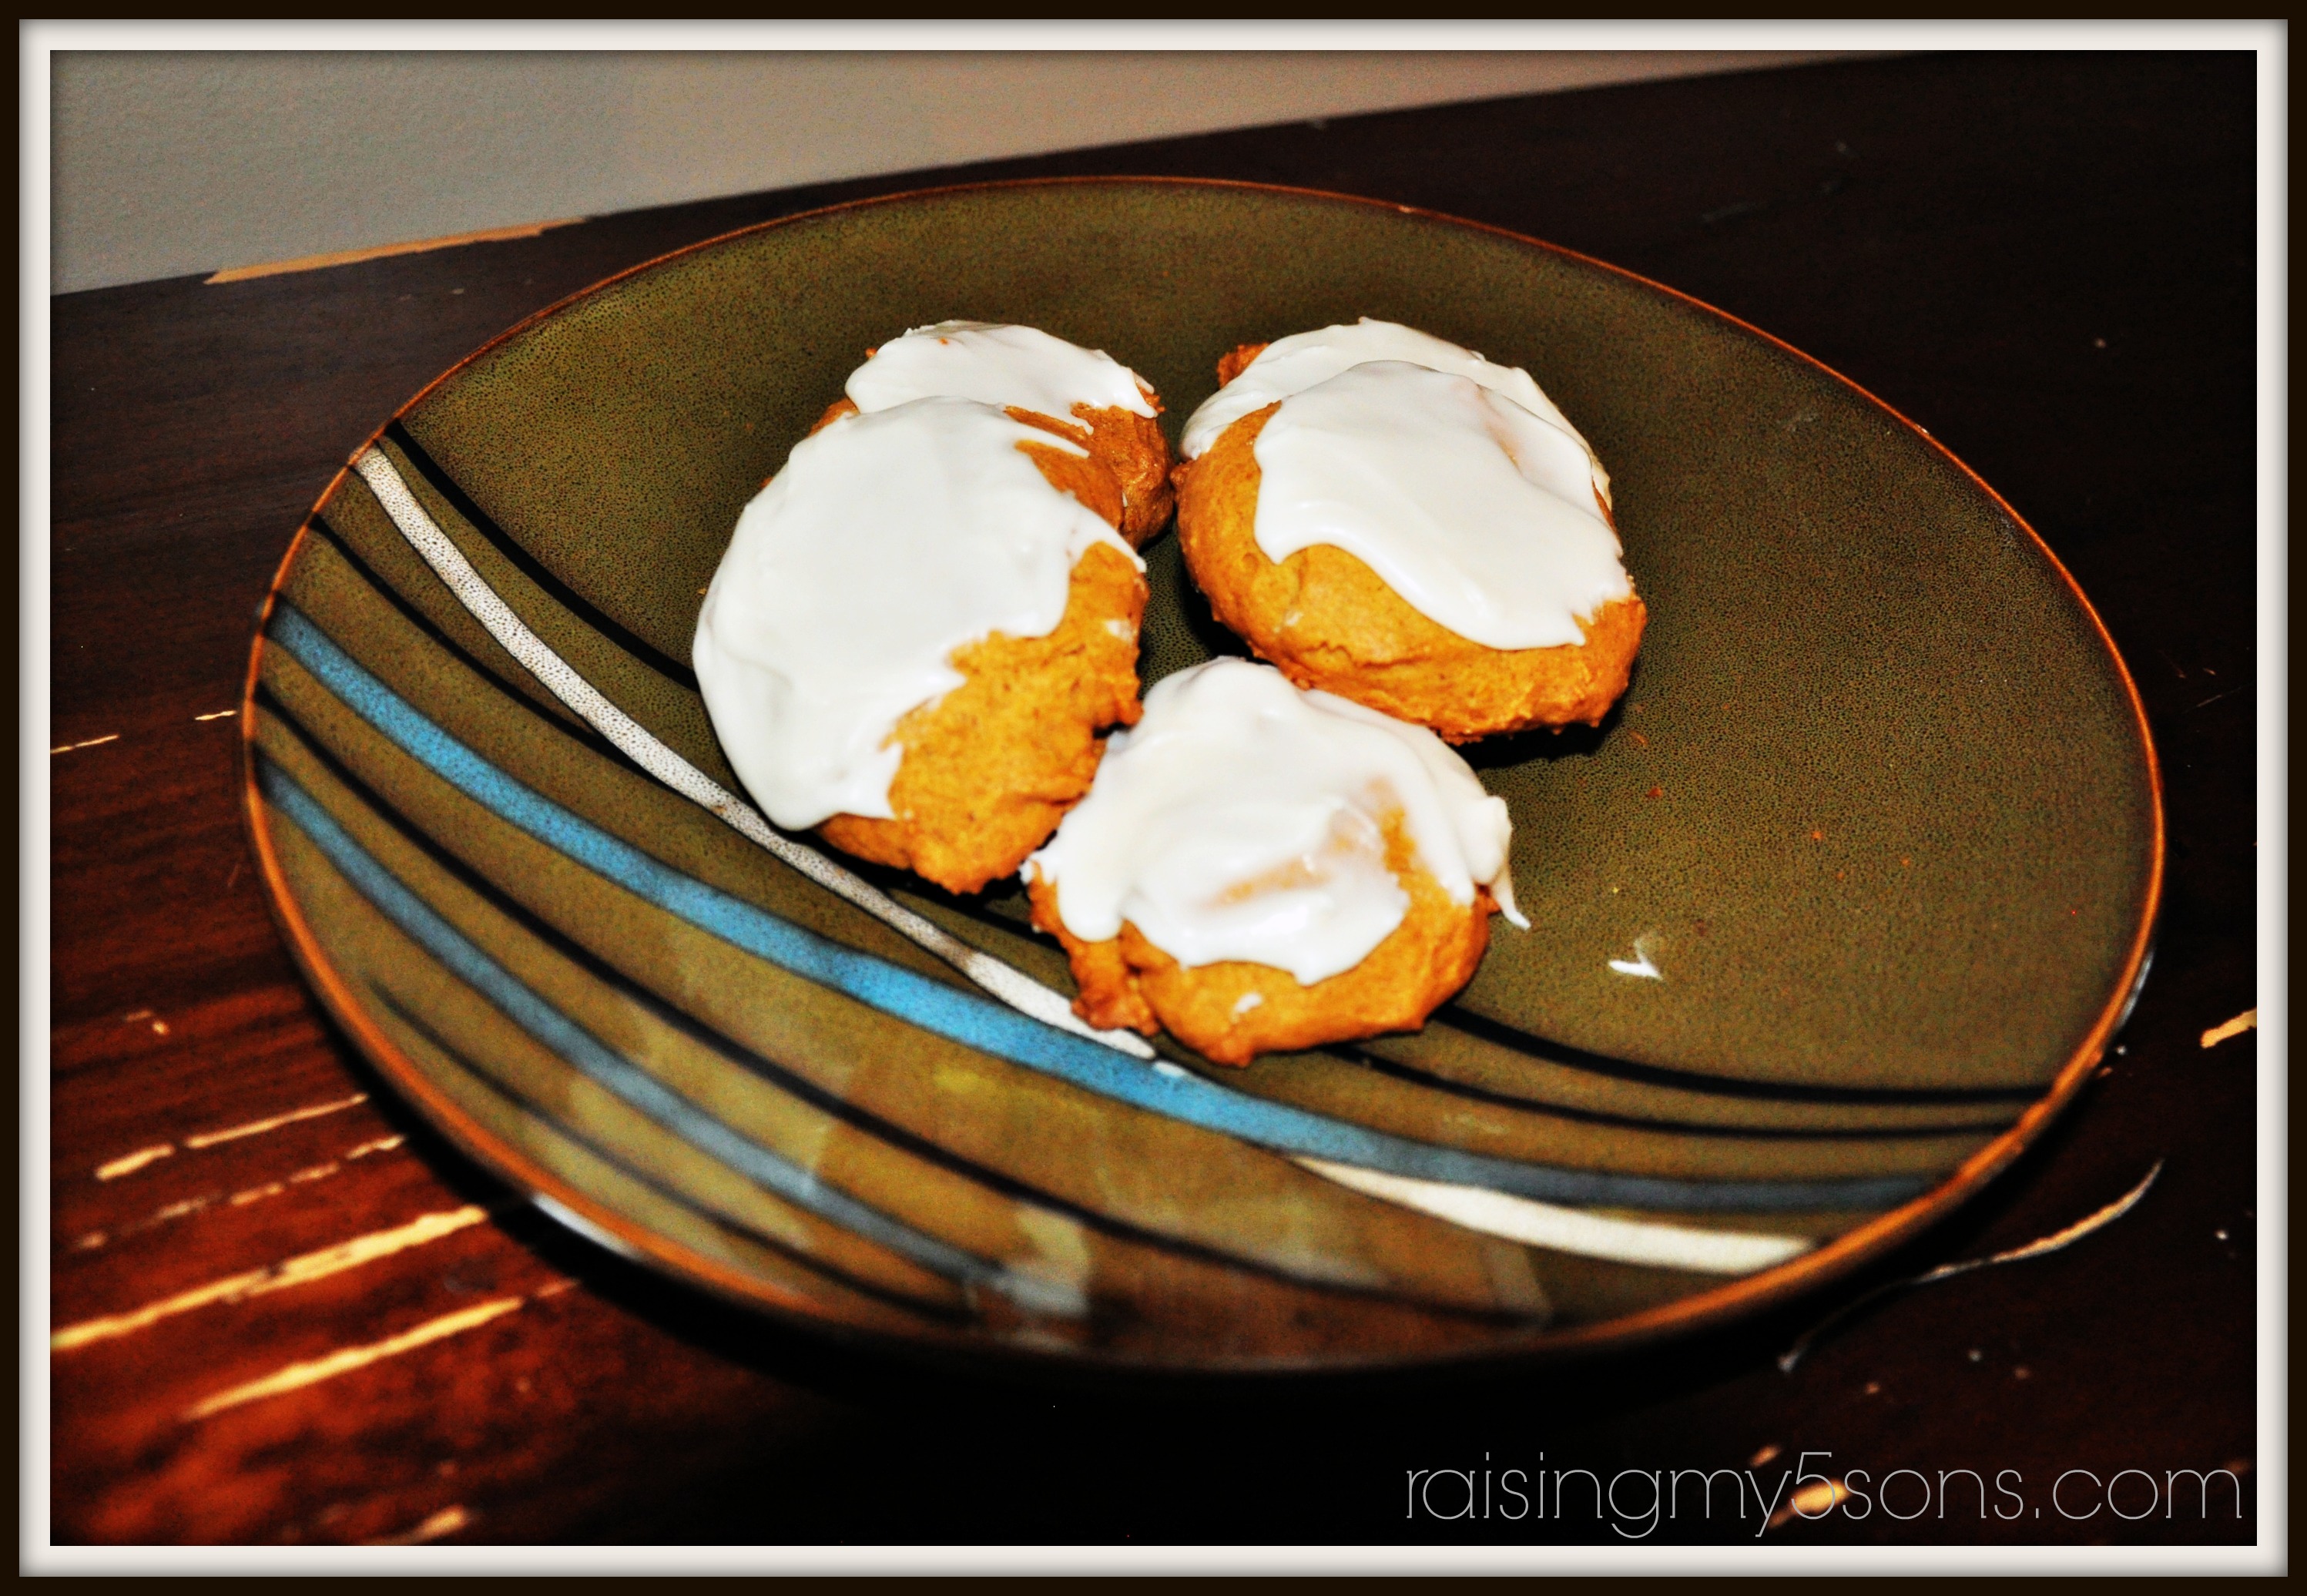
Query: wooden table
x=2046, y=261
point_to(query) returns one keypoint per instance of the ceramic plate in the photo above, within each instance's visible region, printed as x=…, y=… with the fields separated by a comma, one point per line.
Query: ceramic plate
x=1830, y=917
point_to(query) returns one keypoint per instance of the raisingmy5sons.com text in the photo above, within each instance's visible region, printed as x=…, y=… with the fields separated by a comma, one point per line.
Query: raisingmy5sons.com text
x=1634, y=1503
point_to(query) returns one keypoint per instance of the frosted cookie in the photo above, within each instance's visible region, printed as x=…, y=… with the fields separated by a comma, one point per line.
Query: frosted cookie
x=1082, y=394
x=921, y=630
x=1258, y=869
x=1395, y=519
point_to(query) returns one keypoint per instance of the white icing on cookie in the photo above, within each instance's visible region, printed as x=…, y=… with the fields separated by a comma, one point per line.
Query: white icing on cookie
x=1292, y=365
x=1242, y=819
x=1476, y=512
x=1001, y=366
x=888, y=541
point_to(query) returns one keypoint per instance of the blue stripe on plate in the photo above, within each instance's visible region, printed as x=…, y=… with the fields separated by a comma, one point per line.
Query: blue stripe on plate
x=595, y=1059
x=992, y=1028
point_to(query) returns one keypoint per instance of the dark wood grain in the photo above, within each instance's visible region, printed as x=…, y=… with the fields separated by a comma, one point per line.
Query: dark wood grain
x=2045, y=260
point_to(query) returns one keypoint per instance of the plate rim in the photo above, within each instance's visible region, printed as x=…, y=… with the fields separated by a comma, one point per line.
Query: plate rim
x=1738, y=1298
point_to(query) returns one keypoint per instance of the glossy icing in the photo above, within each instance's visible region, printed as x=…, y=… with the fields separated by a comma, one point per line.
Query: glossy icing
x=997, y=365
x=1242, y=819
x=1292, y=365
x=889, y=540
x=1480, y=513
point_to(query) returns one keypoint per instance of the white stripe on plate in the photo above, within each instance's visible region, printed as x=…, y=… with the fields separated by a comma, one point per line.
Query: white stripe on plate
x=1012, y=986
x=1571, y=1230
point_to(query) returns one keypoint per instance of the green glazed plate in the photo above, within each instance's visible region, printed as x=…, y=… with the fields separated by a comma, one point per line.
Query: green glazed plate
x=1830, y=918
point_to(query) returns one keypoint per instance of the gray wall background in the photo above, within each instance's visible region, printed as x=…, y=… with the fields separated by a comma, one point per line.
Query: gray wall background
x=165, y=164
